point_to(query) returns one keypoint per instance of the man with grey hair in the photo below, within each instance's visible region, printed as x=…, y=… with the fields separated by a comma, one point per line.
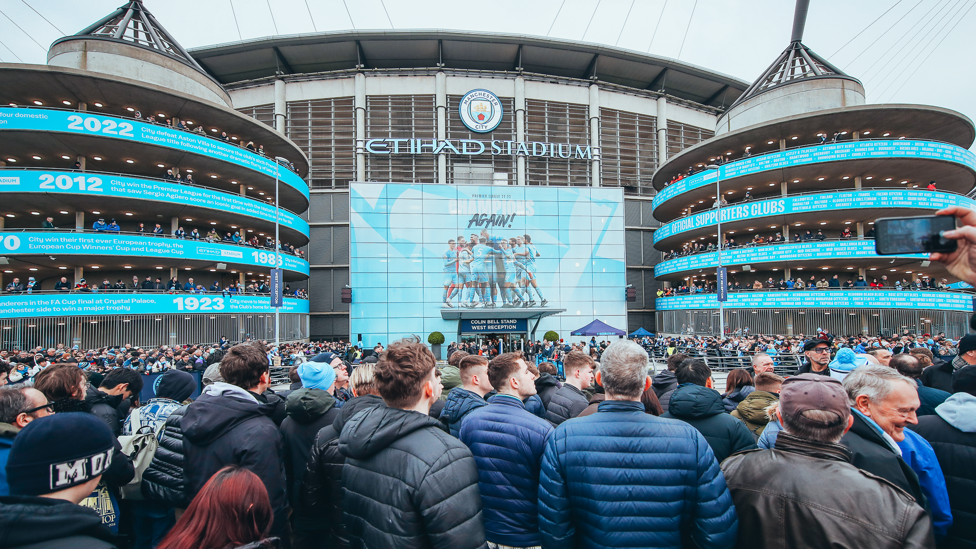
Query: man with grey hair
x=883, y=403
x=761, y=362
x=19, y=406
x=663, y=467
x=770, y=487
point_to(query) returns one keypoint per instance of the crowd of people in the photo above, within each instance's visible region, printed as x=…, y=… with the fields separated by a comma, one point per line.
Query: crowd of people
x=692, y=248
x=390, y=449
x=150, y=284
x=833, y=283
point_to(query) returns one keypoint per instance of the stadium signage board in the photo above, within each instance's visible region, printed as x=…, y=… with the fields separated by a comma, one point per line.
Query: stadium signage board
x=837, y=299
x=13, y=118
x=97, y=184
x=406, y=274
x=493, y=325
x=107, y=303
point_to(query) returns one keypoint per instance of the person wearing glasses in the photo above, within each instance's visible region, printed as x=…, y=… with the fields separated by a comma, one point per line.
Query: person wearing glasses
x=817, y=352
x=18, y=407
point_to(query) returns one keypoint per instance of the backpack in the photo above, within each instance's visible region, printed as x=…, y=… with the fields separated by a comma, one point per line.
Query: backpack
x=140, y=447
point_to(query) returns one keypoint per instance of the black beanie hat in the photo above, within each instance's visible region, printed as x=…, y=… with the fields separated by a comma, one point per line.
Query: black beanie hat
x=174, y=384
x=57, y=452
x=967, y=343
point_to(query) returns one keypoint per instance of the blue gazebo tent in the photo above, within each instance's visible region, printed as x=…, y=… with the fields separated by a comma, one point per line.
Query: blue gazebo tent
x=641, y=332
x=597, y=328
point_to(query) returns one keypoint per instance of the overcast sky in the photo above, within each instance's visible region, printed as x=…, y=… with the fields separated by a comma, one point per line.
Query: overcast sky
x=919, y=51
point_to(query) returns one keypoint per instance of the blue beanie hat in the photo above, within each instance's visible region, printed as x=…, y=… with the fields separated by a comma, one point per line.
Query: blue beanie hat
x=316, y=375
x=845, y=362
x=57, y=452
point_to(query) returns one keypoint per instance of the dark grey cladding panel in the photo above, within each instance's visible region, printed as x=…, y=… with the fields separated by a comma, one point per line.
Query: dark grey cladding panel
x=632, y=241
x=320, y=246
x=340, y=277
x=632, y=213
x=320, y=294
x=650, y=289
x=651, y=256
x=320, y=208
x=340, y=207
x=340, y=245
x=635, y=279
x=647, y=219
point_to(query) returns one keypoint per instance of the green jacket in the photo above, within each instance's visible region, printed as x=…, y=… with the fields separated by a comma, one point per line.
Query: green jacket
x=450, y=378
x=752, y=410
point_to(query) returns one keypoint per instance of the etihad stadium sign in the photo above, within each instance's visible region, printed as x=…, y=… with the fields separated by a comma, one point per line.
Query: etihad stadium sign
x=472, y=147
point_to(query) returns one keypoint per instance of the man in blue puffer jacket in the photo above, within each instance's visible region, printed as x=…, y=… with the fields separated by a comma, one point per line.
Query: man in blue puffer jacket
x=624, y=478
x=507, y=442
x=470, y=395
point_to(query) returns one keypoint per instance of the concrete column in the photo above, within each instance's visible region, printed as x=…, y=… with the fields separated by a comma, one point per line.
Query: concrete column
x=243, y=190
x=787, y=273
x=173, y=225
x=857, y=183
x=784, y=188
x=860, y=230
x=595, y=133
x=280, y=105
x=662, y=130
x=786, y=232
x=782, y=144
x=172, y=273
x=79, y=220
x=82, y=106
x=856, y=136
x=83, y=161
x=360, y=85
x=520, y=172
x=79, y=274
x=241, y=282
x=440, y=101
x=862, y=272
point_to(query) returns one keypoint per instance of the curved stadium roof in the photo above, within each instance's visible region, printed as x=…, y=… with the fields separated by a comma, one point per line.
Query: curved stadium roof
x=466, y=50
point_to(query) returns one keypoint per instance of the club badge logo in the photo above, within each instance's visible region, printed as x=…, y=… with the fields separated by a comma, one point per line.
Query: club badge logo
x=481, y=111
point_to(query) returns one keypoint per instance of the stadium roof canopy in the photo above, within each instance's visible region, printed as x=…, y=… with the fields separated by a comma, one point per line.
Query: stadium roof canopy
x=465, y=50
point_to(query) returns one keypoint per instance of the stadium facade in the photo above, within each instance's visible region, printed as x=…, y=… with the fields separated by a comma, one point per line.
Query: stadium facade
x=478, y=126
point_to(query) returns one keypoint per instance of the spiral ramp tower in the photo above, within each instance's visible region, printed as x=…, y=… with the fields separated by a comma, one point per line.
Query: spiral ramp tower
x=72, y=149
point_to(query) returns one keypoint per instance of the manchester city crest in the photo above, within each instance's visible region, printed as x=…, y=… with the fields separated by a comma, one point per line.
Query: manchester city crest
x=481, y=111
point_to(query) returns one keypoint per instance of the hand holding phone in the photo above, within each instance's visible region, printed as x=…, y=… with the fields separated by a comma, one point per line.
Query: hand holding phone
x=961, y=262
x=914, y=235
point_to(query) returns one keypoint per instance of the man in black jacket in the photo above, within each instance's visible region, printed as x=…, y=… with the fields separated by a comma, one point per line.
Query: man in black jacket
x=230, y=425
x=54, y=464
x=407, y=483
x=547, y=384
x=107, y=402
x=939, y=375
x=321, y=492
x=569, y=400
x=817, y=352
x=310, y=409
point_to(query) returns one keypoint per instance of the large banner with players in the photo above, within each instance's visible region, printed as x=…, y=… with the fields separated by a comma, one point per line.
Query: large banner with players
x=417, y=249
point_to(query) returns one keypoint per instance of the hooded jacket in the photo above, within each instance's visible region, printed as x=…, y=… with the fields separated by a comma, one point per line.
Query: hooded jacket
x=309, y=410
x=929, y=399
x=752, y=411
x=567, y=403
x=732, y=399
x=952, y=434
x=320, y=498
x=545, y=387
x=939, y=374
x=660, y=487
x=229, y=426
x=106, y=407
x=459, y=403
x=702, y=408
x=777, y=507
x=664, y=382
x=450, y=378
x=28, y=522
x=408, y=484
x=872, y=453
x=163, y=480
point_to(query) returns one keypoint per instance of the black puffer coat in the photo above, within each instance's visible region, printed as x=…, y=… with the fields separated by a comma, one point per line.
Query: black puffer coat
x=309, y=411
x=162, y=481
x=321, y=492
x=408, y=484
x=702, y=408
x=28, y=522
x=545, y=387
x=567, y=403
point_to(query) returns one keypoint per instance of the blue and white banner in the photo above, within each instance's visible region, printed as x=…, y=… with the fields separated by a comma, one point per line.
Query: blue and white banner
x=97, y=184
x=105, y=303
x=119, y=245
x=838, y=299
x=776, y=253
x=840, y=152
x=818, y=202
x=12, y=118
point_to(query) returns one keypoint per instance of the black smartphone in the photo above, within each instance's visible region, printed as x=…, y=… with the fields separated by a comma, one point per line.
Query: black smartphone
x=913, y=235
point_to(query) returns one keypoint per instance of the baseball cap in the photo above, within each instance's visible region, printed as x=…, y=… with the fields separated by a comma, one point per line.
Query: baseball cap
x=57, y=452
x=325, y=357
x=807, y=392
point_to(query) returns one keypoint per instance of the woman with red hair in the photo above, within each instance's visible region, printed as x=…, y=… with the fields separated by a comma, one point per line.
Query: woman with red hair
x=232, y=510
